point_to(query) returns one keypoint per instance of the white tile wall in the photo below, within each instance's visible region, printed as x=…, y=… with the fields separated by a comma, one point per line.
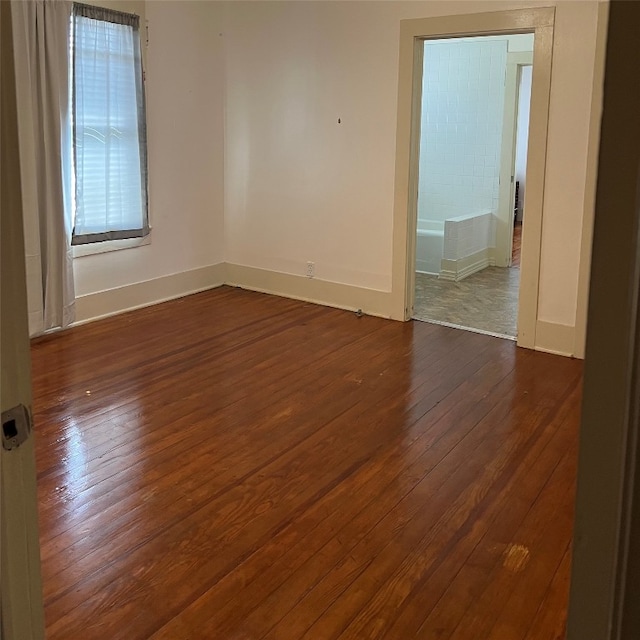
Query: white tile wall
x=461, y=131
x=468, y=234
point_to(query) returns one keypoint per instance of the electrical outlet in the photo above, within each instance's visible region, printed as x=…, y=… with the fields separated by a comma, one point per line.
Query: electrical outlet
x=311, y=269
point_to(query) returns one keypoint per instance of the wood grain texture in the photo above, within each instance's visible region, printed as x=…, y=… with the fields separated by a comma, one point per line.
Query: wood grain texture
x=517, y=245
x=235, y=465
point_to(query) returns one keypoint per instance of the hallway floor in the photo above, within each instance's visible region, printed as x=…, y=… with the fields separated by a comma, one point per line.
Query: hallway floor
x=487, y=300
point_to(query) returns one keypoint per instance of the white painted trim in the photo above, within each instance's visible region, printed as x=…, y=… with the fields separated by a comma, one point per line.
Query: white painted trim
x=552, y=338
x=143, y=294
x=456, y=270
x=504, y=217
x=534, y=193
x=555, y=338
x=332, y=294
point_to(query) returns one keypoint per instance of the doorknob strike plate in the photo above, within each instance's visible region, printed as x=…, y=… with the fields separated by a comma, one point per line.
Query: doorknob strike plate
x=16, y=427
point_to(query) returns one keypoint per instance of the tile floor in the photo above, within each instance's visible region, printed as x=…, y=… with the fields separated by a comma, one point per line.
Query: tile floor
x=486, y=301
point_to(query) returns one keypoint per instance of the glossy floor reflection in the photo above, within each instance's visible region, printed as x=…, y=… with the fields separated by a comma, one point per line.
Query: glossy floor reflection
x=247, y=466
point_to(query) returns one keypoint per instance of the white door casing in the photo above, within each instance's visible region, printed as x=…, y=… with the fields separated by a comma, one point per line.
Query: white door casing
x=540, y=22
x=504, y=227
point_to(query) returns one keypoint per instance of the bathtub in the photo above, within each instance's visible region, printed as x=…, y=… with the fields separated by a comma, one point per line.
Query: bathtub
x=429, y=246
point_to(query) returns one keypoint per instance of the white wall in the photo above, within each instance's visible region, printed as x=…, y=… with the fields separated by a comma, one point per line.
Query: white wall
x=461, y=129
x=185, y=100
x=522, y=134
x=300, y=186
x=565, y=184
x=297, y=185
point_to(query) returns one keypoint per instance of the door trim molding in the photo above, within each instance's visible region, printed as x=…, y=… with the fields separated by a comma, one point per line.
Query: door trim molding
x=539, y=21
x=504, y=232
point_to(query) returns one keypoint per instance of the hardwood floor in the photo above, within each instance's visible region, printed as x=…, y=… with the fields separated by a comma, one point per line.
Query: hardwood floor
x=238, y=466
x=517, y=245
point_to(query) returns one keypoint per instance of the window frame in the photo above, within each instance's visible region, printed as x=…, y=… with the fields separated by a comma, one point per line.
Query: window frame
x=111, y=240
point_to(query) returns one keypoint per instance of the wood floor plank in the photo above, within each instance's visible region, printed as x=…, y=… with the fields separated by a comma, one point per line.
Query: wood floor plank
x=475, y=547
x=413, y=549
x=371, y=493
x=219, y=505
x=537, y=538
x=439, y=608
x=550, y=622
x=169, y=415
x=283, y=600
x=252, y=436
x=235, y=465
x=208, y=488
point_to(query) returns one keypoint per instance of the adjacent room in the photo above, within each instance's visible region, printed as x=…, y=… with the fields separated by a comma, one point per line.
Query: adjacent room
x=471, y=185
x=240, y=432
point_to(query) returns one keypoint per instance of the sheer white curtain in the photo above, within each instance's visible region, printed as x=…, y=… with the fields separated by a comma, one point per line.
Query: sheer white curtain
x=41, y=44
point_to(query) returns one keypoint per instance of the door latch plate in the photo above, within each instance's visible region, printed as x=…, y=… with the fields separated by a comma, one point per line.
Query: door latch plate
x=16, y=427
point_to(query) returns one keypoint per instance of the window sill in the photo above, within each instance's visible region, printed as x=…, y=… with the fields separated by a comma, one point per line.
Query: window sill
x=82, y=250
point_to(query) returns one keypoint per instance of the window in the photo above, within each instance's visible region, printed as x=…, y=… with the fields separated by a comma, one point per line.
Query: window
x=109, y=131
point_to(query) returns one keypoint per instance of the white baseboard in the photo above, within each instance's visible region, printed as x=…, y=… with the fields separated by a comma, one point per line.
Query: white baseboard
x=555, y=338
x=550, y=337
x=143, y=294
x=331, y=294
x=456, y=270
x=423, y=266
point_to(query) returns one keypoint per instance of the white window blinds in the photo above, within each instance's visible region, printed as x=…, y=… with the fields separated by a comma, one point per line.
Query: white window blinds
x=109, y=131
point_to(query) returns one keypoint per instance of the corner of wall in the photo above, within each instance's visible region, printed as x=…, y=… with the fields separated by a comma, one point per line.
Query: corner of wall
x=102, y=304
x=332, y=294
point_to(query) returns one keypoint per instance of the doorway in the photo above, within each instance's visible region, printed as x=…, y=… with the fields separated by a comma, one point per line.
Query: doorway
x=413, y=33
x=473, y=133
